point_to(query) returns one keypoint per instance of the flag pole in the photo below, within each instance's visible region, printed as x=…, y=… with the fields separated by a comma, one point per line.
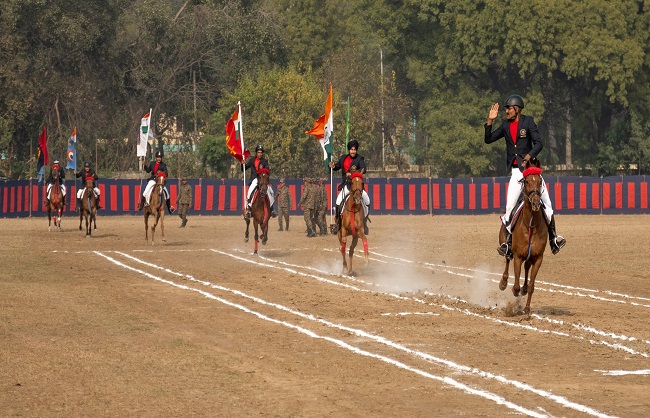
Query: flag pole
x=243, y=166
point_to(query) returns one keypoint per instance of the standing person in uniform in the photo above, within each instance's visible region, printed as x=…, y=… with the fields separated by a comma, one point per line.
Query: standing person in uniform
x=321, y=208
x=308, y=204
x=88, y=172
x=154, y=167
x=50, y=181
x=523, y=143
x=256, y=163
x=345, y=164
x=184, y=200
x=284, y=203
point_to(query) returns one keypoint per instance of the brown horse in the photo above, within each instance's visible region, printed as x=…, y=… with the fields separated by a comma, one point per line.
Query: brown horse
x=529, y=236
x=260, y=209
x=55, y=205
x=88, y=208
x=156, y=209
x=352, y=221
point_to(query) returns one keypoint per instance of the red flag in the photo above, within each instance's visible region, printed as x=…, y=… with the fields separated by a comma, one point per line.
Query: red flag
x=233, y=138
x=43, y=156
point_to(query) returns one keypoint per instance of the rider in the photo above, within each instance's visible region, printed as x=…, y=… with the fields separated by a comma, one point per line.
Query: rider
x=88, y=172
x=154, y=167
x=345, y=164
x=256, y=164
x=50, y=181
x=523, y=143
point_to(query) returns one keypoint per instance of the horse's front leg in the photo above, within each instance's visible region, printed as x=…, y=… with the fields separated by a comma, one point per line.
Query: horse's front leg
x=343, y=240
x=531, y=282
x=153, y=228
x=257, y=237
x=248, y=222
x=517, y=274
x=146, y=225
x=524, y=287
x=504, y=277
x=162, y=226
x=49, y=221
x=353, y=245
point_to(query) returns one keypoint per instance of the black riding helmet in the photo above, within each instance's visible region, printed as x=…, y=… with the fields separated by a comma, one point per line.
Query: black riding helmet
x=86, y=164
x=515, y=100
x=159, y=154
x=259, y=147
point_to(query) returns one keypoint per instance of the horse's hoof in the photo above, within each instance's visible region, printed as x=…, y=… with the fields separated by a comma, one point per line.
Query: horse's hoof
x=503, y=284
x=524, y=291
x=164, y=240
x=515, y=292
x=245, y=239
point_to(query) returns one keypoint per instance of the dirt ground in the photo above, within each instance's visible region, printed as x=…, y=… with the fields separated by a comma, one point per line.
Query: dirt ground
x=198, y=326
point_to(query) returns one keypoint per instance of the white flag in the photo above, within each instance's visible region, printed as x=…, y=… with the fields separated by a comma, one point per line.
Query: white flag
x=145, y=134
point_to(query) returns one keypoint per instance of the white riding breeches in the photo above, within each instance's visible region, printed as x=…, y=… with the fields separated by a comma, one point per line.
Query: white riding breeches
x=514, y=190
x=49, y=189
x=80, y=192
x=253, y=187
x=149, y=188
x=364, y=198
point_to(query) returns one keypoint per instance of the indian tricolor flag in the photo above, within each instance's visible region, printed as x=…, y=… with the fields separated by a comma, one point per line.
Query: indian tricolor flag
x=235, y=138
x=145, y=134
x=323, y=130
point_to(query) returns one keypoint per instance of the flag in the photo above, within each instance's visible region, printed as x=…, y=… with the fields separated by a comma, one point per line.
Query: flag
x=72, y=151
x=43, y=156
x=323, y=130
x=234, y=138
x=145, y=134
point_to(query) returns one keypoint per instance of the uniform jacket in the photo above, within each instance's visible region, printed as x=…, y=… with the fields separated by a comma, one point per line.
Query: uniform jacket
x=529, y=141
x=151, y=168
x=284, y=197
x=83, y=174
x=263, y=163
x=185, y=195
x=308, y=199
x=358, y=161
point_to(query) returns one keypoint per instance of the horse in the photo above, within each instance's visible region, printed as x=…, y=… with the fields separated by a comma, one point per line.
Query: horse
x=55, y=205
x=529, y=236
x=352, y=221
x=156, y=209
x=260, y=209
x=88, y=208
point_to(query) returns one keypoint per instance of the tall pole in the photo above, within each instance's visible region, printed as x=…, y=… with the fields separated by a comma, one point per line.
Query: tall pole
x=195, y=122
x=96, y=166
x=383, y=141
x=31, y=167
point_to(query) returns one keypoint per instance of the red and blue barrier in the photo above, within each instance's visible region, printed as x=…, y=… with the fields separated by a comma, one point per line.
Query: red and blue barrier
x=396, y=196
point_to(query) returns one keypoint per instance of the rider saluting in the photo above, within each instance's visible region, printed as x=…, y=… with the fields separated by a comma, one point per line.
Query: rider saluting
x=88, y=172
x=345, y=164
x=256, y=164
x=154, y=167
x=523, y=143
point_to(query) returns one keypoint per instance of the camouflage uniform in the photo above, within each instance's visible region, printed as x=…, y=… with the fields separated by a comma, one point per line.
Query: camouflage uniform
x=308, y=204
x=183, y=201
x=321, y=208
x=284, y=200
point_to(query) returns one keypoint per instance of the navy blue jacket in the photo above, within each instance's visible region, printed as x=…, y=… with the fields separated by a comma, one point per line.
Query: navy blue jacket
x=529, y=141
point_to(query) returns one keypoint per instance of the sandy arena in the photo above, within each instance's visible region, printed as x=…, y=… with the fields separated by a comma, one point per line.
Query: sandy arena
x=198, y=326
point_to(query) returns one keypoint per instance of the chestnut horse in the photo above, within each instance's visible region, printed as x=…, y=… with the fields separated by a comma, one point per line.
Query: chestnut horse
x=529, y=236
x=260, y=209
x=88, y=208
x=156, y=209
x=352, y=221
x=55, y=205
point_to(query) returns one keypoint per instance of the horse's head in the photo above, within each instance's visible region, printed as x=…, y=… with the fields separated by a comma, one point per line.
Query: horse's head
x=161, y=178
x=55, y=175
x=263, y=180
x=356, y=187
x=532, y=183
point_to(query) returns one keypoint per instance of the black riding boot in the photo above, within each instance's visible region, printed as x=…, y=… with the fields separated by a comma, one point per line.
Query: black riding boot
x=99, y=204
x=365, y=225
x=556, y=241
x=505, y=249
x=142, y=203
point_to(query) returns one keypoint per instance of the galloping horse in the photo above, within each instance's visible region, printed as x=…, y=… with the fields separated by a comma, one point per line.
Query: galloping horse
x=88, y=208
x=352, y=221
x=260, y=209
x=156, y=208
x=529, y=236
x=55, y=205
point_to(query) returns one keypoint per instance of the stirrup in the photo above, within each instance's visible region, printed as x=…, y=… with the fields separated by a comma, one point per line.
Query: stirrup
x=504, y=251
x=557, y=244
